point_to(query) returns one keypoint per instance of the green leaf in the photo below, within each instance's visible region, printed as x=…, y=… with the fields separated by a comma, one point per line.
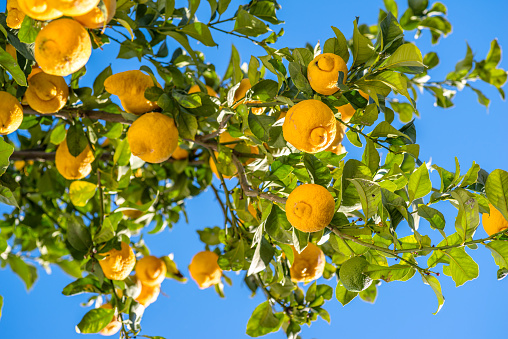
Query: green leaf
x=78, y=235
x=98, y=84
x=265, y=10
x=199, y=31
x=344, y=296
x=1, y=305
x=391, y=6
x=419, y=183
x=496, y=189
x=265, y=90
x=499, y=250
x=223, y=5
x=468, y=217
x=11, y=66
x=303, y=56
x=249, y=25
x=89, y=284
x=260, y=125
x=80, y=192
x=76, y=139
x=58, y=134
x=187, y=125
x=263, y=321
x=384, y=129
x=6, y=150
x=462, y=67
x=369, y=295
x=370, y=195
x=418, y=6
x=28, y=30
x=278, y=226
x=26, y=272
x=262, y=256
x=407, y=59
x=431, y=60
x=370, y=156
x=392, y=34
x=106, y=233
x=433, y=216
x=299, y=79
x=318, y=172
x=362, y=48
x=188, y=101
x=494, y=55
x=471, y=176
x=462, y=267
x=95, y=320
x=7, y=197
x=366, y=117
x=388, y=274
x=182, y=40
x=122, y=153
x=396, y=82
x=436, y=287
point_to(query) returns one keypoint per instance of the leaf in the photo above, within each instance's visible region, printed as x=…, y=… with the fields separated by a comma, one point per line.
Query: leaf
x=419, y=183
x=28, y=30
x=299, y=79
x=7, y=197
x=370, y=156
x=494, y=55
x=388, y=274
x=76, y=139
x=468, y=216
x=1, y=305
x=384, y=129
x=370, y=195
x=436, y=287
x=396, y=82
x=263, y=321
x=262, y=256
x=98, y=84
x=499, y=250
x=199, y=31
x=471, y=176
x=26, y=272
x=122, y=153
x=260, y=125
x=407, y=59
x=318, y=172
x=278, y=226
x=344, y=296
x=362, y=48
x=95, y=320
x=433, y=216
x=462, y=267
x=78, y=235
x=188, y=101
x=11, y=66
x=58, y=134
x=6, y=150
x=81, y=191
x=265, y=90
x=187, y=125
x=496, y=189
x=462, y=67
x=249, y=25
x=89, y=284
x=223, y=5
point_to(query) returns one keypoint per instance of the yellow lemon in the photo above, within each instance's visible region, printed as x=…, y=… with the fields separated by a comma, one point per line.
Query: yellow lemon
x=204, y=269
x=213, y=167
x=240, y=93
x=209, y=90
x=336, y=146
x=310, y=126
x=11, y=113
x=39, y=9
x=73, y=7
x=151, y=270
x=495, y=222
x=62, y=47
x=323, y=73
x=114, y=326
x=180, y=153
x=148, y=295
x=310, y=208
x=95, y=18
x=153, y=137
x=15, y=15
x=70, y=167
x=46, y=93
x=347, y=111
x=307, y=265
x=118, y=264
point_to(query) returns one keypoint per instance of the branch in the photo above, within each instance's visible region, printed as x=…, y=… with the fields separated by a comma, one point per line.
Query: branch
x=70, y=113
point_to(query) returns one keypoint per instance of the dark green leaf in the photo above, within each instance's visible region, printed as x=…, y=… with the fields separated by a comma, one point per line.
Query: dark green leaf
x=278, y=226
x=263, y=321
x=249, y=25
x=78, y=235
x=76, y=139
x=199, y=31
x=5, y=153
x=362, y=48
x=95, y=320
x=187, y=125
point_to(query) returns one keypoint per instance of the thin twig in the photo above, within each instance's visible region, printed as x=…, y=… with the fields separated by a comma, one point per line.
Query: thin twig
x=69, y=113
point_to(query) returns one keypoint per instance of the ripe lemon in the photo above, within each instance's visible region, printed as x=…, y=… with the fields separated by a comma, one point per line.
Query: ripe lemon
x=70, y=167
x=310, y=126
x=114, y=326
x=151, y=270
x=15, y=15
x=130, y=87
x=240, y=93
x=209, y=90
x=118, y=264
x=73, y=7
x=11, y=113
x=153, y=137
x=180, y=153
x=39, y=9
x=95, y=18
x=46, y=93
x=308, y=265
x=35, y=70
x=323, y=73
x=310, y=208
x=62, y=47
x=347, y=111
x=495, y=222
x=148, y=295
x=204, y=269
x=336, y=146
x=351, y=275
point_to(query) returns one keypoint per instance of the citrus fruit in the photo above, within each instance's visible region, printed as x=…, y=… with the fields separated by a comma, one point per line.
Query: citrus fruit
x=310, y=208
x=240, y=93
x=494, y=222
x=39, y=9
x=148, y=295
x=62, y=47
x=118, y=264
x=204, y=269
x=46, y=93
x=180, y=153
x=151, y=270
x=130, y=87
x=153, y=137
x=307, y=265
x=15, y=15
x=351, y=274
x=210, y=91
x=336, y=146
x=347, y=111
x=323, y=73
x=114, y=326
x=73, y=7
x=11, y=113
x=95, y=18
x=310, y=126
x=71, y=167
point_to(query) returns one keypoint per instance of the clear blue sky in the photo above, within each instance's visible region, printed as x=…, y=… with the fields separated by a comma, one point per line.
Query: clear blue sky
x=475, y=310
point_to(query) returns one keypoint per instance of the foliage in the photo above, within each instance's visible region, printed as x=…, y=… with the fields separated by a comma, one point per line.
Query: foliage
x=68, y=223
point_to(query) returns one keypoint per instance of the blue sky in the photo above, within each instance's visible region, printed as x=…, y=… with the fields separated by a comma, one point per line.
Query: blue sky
x=468, y=131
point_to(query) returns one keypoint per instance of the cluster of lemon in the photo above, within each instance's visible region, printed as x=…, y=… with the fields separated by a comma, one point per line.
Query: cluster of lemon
x=150, y=272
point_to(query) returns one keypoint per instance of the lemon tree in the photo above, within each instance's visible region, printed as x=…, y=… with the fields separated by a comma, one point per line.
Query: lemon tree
x=92, y=168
